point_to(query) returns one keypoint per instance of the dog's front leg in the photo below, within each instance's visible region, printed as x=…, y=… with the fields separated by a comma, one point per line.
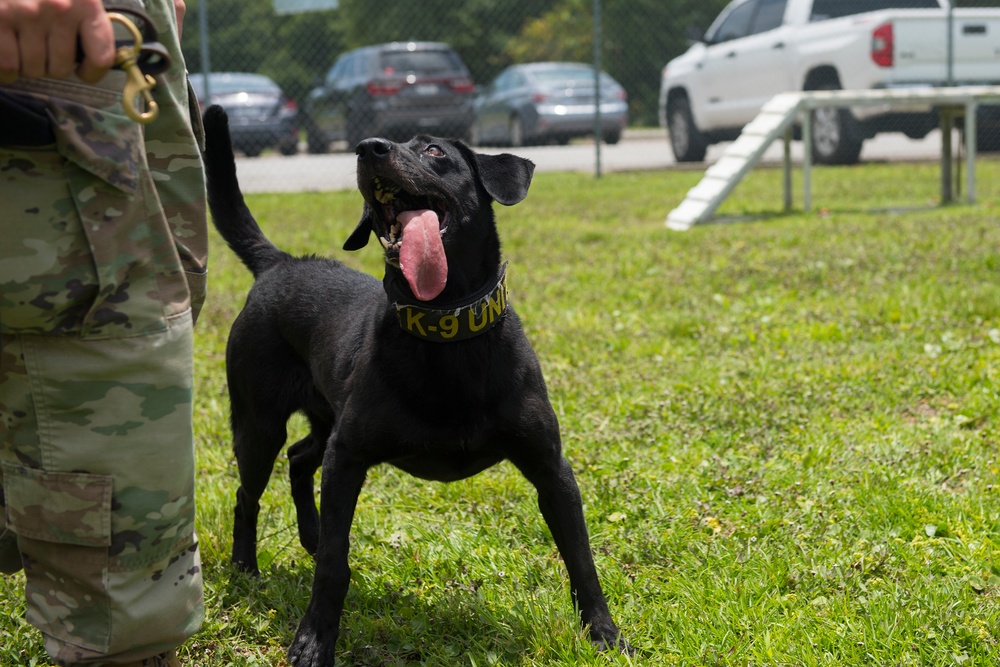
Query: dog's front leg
x=562, y=507
x=316, y=638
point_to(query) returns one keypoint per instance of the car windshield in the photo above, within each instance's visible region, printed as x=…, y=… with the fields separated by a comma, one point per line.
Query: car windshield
x=420, y=62
x=224, y=84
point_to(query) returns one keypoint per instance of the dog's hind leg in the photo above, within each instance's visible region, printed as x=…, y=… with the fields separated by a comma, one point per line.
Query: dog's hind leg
x=305, y=457
x=255, y=466
x=257, y=441
x=268, y=383
x=562, y=508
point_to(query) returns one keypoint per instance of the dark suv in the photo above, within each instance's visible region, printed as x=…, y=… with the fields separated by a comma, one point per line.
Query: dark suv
x=390, y=90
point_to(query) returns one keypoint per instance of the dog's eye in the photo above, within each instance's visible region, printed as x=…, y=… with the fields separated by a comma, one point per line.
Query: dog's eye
x=434, y=150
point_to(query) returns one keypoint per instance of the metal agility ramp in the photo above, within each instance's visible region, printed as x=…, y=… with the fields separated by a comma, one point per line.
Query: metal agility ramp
x=777, y=119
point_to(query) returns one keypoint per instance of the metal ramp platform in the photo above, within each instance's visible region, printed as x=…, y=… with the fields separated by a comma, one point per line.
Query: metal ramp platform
x=777, y=118
x=773, y=121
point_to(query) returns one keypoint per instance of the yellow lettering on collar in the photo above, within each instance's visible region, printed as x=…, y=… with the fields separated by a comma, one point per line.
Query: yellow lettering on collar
x=413, y=322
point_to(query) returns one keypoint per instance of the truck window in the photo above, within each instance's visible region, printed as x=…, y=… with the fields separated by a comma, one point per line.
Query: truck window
x=769, y=16
x=736, y=24
x=823, y=10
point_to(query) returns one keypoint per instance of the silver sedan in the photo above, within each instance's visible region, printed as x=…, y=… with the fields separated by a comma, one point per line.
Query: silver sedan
x=550, y=102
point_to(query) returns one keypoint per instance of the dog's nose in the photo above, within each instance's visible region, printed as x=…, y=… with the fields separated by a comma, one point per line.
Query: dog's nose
x=373, y=148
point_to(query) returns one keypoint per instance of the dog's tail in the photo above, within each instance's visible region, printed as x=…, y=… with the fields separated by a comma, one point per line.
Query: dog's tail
x=229, y=212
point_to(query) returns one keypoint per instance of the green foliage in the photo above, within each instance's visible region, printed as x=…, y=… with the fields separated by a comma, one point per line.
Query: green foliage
x=566, y=32
x=785, y=432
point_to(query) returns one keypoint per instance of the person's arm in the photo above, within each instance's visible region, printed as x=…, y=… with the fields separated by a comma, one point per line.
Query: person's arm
x=38, y=38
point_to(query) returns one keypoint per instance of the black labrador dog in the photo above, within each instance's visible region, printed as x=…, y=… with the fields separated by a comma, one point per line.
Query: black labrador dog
x=429, y=371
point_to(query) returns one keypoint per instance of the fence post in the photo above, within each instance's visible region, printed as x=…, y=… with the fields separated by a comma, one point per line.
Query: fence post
x=206, y=65
x=597, y=88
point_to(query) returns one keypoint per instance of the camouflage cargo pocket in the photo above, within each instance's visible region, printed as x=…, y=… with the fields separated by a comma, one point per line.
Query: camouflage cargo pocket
x=89, y=250
x=63, y=523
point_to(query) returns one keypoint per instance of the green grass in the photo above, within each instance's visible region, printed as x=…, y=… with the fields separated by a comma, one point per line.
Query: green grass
x=785, y=432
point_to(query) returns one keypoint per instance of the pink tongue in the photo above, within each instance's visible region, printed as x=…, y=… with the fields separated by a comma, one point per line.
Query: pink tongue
x=421, y=253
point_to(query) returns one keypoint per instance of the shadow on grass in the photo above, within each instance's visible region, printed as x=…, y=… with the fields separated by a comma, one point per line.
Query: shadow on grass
x=822, y=212
x=383, y=624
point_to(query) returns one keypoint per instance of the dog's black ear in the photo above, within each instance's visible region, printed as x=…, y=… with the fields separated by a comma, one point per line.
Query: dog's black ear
x=359, y=237
x=506, y=177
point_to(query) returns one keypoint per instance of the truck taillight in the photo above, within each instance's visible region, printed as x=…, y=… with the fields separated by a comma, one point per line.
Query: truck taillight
x=882, y=45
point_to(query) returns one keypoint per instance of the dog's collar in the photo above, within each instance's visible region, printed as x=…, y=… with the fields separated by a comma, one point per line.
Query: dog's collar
x=477, y=315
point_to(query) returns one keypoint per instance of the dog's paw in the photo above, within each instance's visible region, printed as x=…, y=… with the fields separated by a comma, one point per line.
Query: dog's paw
x=611, y=641
x=313, y=645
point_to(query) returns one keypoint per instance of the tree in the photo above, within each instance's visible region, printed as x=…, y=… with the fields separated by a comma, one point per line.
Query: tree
x=565, y=32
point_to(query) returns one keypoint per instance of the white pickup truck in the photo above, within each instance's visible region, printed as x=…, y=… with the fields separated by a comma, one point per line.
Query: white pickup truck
x=757, y=48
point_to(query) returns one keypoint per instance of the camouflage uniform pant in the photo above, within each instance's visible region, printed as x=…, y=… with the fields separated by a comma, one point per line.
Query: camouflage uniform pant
x=101, y=272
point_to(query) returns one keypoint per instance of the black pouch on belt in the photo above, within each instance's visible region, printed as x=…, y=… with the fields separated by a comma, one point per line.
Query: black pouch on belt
x=24, y=121
x=153, y=58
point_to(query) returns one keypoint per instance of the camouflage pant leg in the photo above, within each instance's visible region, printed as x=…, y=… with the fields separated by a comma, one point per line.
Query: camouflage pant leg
x=96, y=443
x=98, y=478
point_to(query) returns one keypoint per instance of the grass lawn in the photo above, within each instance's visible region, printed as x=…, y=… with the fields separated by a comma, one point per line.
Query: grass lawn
x=785, y=432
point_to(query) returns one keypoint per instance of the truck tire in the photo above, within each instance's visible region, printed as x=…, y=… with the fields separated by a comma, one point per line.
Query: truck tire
x=988, y=143
x=988, y=139
x=686, y=140
x=836, y=137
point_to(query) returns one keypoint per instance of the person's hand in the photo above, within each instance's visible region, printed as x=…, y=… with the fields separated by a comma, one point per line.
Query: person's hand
x=38, y=38
x=180, y=9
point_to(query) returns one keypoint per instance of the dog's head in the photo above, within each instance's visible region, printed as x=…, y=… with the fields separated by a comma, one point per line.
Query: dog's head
x=429, y=202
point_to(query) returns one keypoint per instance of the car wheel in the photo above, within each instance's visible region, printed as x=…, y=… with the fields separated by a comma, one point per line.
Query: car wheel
x=289, y=149
x=515, y=131
x=686, y=140
x=356, y=130
x=836, y=137
x=355, y=135
x=612, y=137
x=316, y=141
x=252, y=151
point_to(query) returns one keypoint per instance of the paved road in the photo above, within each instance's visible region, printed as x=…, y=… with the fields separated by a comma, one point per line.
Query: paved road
x=638, y=150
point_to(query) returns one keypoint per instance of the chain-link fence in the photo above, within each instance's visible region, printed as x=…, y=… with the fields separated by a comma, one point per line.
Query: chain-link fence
x=329, y=73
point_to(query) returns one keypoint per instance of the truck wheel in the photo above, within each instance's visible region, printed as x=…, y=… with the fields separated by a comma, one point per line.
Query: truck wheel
x=836, y=137
x=687, y=142
x=988, y=140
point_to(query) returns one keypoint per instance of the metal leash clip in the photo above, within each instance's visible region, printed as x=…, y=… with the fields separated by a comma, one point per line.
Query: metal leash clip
x=137, y=97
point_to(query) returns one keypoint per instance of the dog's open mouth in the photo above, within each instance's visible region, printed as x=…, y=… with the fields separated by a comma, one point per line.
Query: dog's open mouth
x=413, y=227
